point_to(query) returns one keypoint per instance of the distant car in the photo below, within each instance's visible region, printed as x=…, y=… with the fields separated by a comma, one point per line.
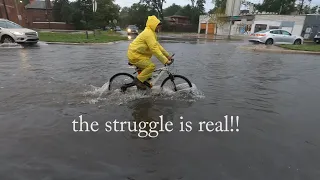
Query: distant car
x=316, y=38
x=11, y=32
x=118, y=28
x=275, y=36
x=132, y=29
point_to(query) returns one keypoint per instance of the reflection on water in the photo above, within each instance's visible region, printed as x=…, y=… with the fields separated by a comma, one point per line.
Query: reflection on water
x=148, y=110
x=24, y=59
x=131, y=37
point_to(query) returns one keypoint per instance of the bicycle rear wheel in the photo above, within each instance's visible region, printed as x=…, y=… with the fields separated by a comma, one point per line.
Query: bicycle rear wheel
x=118, y=80
x=176, y=82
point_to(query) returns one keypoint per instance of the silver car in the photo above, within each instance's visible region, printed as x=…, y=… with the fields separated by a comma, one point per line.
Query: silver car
x=275, y=36
x=11, y=32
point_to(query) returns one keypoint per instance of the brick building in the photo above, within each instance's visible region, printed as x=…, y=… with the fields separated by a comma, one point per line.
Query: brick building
x=36, y=15
x=14, y=11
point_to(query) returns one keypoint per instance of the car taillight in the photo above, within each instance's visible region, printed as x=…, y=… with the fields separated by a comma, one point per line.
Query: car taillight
x=260, y=34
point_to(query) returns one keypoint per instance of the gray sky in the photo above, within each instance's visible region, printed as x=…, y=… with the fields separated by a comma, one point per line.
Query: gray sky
x=208, y=6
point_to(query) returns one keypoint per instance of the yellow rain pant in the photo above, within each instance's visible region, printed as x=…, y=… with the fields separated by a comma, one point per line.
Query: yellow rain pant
x=147, y=67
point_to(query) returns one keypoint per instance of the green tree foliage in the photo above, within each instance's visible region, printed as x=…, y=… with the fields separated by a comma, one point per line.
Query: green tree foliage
x=218, y=4
x=107, y=11
x=61, y=11
x=193, y=12
x=157, y=5
x=302, y=7
x=277, y=6
x=171, y=10
x=137, y=14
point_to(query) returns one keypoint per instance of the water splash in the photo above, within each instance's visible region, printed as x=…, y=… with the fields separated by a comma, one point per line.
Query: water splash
x=11, y=46
x=102, y=94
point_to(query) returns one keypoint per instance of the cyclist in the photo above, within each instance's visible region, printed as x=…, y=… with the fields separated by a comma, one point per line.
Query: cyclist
x=141, y=50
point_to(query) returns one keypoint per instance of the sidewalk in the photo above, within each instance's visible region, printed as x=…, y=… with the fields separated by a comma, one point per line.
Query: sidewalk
x=275, y=49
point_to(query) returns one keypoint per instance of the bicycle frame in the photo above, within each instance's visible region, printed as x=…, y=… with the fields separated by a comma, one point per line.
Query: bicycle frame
x=162, y=70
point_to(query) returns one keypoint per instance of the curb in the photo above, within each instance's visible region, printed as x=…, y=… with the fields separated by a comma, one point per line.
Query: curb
x=65, y=43
x=281, y=51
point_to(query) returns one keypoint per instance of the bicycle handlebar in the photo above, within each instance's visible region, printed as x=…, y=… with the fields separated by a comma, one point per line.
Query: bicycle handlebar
x=172, y=60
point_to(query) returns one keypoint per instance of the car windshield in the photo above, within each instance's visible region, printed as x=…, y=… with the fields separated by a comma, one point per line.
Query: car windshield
x=11, y=25
x=132, y=27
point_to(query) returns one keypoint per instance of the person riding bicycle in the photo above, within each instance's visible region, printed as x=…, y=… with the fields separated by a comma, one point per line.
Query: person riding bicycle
x=141, y=50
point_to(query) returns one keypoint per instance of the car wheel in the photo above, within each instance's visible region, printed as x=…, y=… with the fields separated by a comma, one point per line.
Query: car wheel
x=7, y=39
x=269, y=42
x=297, y=42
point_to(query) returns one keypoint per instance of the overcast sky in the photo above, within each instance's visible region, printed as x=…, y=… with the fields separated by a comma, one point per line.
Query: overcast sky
x=208, y=6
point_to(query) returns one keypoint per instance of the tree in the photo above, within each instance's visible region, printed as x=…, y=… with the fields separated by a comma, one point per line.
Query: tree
x=62, y=11
x=200, y=6
x=124, y=16
x=219, y=18
x=302, y=8
x=107, y=11
x=221, y=4
x=137, y=14
x=157, y=5
x=277, y=6
x=314, y=9
x=171, y=10
x=192, y=3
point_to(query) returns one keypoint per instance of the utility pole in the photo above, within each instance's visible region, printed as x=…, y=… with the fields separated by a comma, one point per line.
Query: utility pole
x=46, y=3
x=231, y=19
x=17, y=8
x=5, y=8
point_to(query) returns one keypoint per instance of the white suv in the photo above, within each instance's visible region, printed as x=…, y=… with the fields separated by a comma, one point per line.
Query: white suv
x=11, y=32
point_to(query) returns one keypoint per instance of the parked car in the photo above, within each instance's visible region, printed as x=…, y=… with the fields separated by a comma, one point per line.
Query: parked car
x=118, y=28
x=317, y=38
x=11, y=32
x=275, y=36
x=132, y=29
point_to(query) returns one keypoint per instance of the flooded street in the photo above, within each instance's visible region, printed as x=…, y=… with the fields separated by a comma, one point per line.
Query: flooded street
x=43, y=89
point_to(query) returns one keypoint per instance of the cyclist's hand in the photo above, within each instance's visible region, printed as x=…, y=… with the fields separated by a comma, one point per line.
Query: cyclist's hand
x=169, y=62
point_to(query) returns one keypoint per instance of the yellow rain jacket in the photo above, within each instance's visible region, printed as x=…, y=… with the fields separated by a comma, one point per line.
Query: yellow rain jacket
x=145, y=44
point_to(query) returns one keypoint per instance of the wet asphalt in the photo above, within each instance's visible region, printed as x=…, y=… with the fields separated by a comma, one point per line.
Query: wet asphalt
x=43, y=89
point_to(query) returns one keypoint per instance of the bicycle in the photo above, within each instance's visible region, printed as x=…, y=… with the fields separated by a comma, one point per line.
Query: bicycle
x=173, y=78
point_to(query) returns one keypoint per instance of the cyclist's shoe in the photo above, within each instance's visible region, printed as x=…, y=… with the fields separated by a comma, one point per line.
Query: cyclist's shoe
x=147, y=84
x=139, y=84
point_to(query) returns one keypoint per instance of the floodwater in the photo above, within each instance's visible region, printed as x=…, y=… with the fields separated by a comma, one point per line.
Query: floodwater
x=44, y=89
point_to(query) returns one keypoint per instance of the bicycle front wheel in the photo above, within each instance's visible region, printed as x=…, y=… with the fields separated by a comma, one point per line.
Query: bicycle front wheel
x=118, y=80
x=176, y=82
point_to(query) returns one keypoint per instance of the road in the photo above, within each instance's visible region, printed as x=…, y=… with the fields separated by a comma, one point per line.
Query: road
x=44, y=89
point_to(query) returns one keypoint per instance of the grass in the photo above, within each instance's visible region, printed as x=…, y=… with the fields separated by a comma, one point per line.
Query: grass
x=304, y=47
x=81, y=37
